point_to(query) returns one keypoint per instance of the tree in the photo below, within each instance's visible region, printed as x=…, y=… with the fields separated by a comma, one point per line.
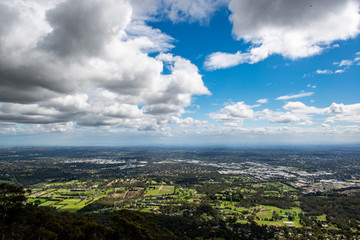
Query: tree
x=12, y=199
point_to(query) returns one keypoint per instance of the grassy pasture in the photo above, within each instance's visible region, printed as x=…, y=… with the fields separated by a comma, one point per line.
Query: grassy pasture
x=48, y=203
x=5, y=181
x=159, y=190
x=266, y=212
x=321, y=217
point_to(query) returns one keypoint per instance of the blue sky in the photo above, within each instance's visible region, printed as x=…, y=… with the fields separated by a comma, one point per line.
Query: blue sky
x=205, y=72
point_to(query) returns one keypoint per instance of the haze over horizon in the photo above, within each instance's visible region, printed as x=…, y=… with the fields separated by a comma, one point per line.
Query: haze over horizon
x=179, y=72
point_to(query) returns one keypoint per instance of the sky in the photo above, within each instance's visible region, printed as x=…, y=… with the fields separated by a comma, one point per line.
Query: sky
x=179, y=72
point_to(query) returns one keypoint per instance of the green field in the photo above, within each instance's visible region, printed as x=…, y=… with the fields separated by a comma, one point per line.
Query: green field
x=5, y=181
x=31, y=200
x=321, y=218
x=69, y=205
x=48, y=203
x=159, y=190
x=266, y=213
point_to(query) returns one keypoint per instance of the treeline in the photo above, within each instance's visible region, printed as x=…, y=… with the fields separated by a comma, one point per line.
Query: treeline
x=342, y=211
x=246, y=199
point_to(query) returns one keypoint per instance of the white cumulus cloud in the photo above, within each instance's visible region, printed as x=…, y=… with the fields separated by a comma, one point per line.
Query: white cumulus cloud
x=284, y=118
x=236, y=111
x=291, y=28
x=88, y=63
x=325, y=71
x=340, y=71
x=344, y=63
x=262, y=101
